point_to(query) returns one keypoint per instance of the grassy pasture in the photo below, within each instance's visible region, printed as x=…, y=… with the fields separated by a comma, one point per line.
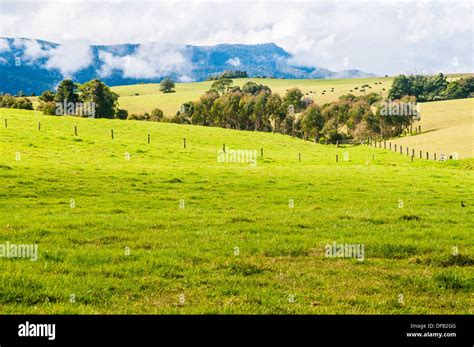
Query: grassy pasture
x=149, y=96
x=185, y=260
x=447, y=127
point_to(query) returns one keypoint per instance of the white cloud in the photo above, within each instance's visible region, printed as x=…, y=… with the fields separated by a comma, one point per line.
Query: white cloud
x=233, y=61
x=4, y=46
x=32, y=50
x=372, y=35
x=148, y=61
x=69, y=58
x=185, y=78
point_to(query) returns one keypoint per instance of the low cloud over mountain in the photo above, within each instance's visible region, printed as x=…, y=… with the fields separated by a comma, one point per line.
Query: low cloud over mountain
x=34, y=65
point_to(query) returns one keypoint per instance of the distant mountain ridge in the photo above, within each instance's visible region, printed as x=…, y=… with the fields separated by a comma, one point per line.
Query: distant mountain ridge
x=32, y=66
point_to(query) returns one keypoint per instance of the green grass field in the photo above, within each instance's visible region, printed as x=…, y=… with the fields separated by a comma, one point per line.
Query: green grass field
x=236, y=246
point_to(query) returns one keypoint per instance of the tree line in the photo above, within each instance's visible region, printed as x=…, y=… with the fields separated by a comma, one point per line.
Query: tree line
x=22, y=102
x=228, y=74
x=255, y=107
x=431, y=88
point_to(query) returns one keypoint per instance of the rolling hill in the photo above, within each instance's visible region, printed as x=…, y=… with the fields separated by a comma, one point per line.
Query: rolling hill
x=149, y=95
x=159, y=228
x=447, y=127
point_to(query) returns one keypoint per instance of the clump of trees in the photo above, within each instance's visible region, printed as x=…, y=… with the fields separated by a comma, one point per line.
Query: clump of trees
x=431, y=88
x=255, y=107
x=252, y=107
x=228, y=74
x=94, y=93
x=156, y=115
x=8, y=101
x=167, y=86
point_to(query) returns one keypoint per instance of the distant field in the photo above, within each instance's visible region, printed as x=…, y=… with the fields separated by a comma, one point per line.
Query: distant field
x=150, y=96
x=449, y=127
x=236, y=245
x=448, y=124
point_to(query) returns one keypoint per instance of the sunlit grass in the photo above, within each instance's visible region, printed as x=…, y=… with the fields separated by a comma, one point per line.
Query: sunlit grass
x=191, y=251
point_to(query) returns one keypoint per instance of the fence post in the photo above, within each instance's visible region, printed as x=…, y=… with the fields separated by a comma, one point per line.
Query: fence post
x=6, y=123
x=427, y=155
x=112, y=133
x=299, y=156
x=148, y=138
x=337, y=158
x=39, y=125
x=401, y=150
x=434, y=156
x=261, y=152
x=223, y=147
x=384, y=144
x=390, y=145
x=75, y=130
x=421, y=155
x=395, y=147
x=184, y=142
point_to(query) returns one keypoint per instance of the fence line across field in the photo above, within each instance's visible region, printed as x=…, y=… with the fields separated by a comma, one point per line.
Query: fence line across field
x=369, y=142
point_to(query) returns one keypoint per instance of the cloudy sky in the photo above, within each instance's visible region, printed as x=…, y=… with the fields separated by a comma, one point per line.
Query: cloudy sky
x=383, y=37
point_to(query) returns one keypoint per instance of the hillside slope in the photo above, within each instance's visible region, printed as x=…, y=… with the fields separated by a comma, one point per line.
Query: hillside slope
x=447, y=127
x=150, y=97
x=130, y=227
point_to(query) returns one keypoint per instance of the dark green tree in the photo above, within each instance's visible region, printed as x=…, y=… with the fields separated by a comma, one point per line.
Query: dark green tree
x=104, y=99
x=294, y=97
x=157, y=115
x=66, y=92
x=222, y=85
x=167, y=86
x=46, y=96
x=312, y=122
